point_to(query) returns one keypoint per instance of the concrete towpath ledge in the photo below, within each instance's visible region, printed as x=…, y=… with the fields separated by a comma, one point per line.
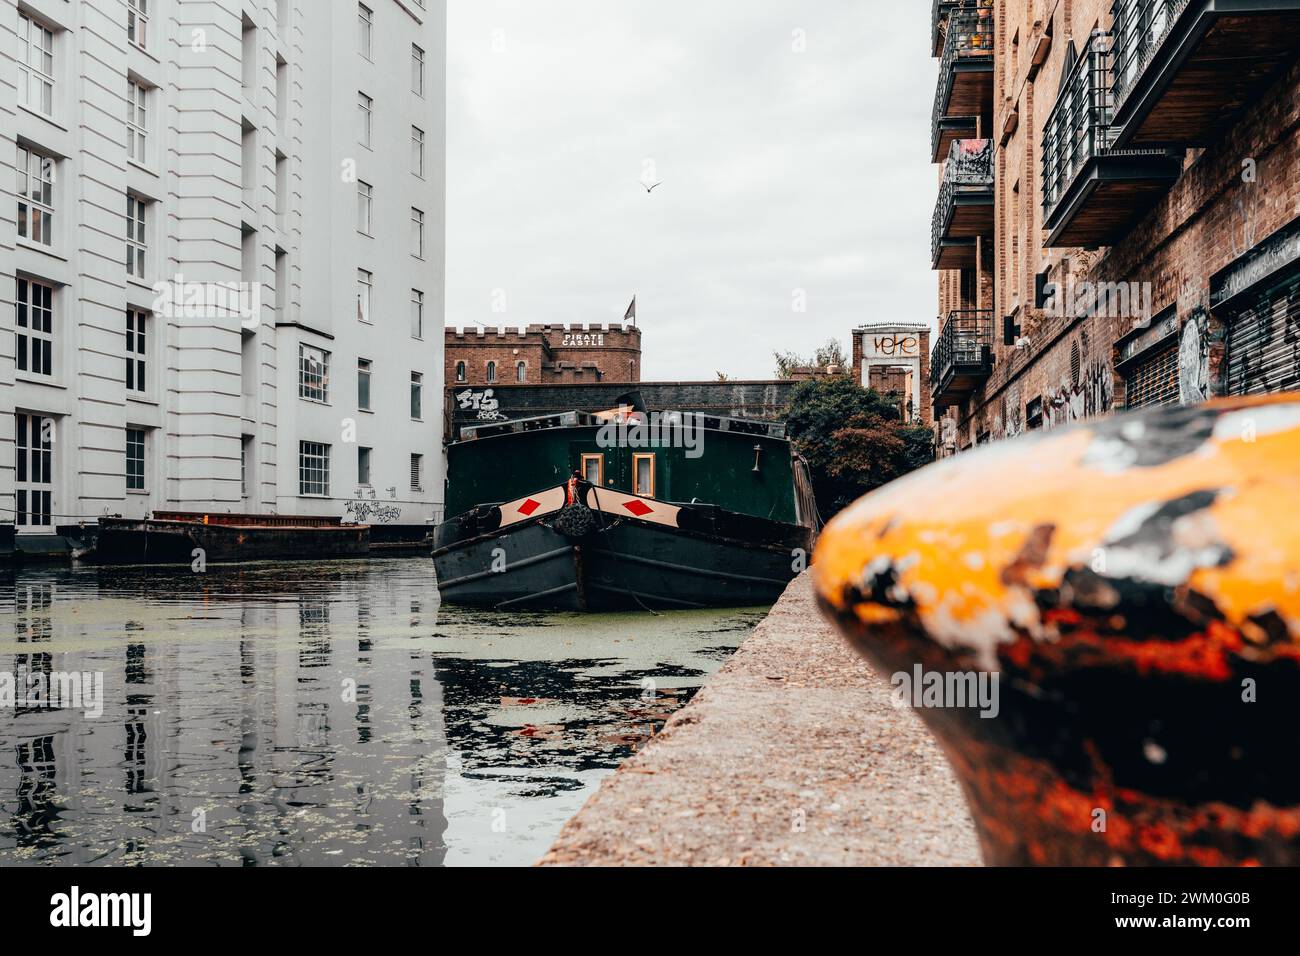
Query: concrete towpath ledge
x=792, y=754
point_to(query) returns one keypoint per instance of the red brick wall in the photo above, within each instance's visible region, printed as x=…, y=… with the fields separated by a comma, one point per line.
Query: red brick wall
x=1208, y=219
x=550, y=353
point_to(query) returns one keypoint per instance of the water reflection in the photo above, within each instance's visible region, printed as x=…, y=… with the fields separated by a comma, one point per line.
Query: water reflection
x=317, y=715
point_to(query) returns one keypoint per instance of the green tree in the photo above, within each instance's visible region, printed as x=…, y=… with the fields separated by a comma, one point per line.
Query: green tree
x=832, y=353
x=853, y=438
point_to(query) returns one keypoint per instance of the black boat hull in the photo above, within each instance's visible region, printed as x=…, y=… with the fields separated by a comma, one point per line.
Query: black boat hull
x=621, y=564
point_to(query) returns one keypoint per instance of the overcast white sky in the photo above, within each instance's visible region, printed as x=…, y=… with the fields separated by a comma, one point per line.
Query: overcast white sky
x=781, y=171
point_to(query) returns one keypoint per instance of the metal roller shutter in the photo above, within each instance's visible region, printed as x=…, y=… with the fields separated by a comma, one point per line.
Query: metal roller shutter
x=1154, y=380
x=1264, y=344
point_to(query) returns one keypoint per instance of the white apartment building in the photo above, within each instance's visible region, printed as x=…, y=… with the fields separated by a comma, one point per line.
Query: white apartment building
x=224, y=258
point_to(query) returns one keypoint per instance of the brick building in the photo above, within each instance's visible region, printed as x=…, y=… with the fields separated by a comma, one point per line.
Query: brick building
x=1118, y=215
x=894, y=359
x=543, y=355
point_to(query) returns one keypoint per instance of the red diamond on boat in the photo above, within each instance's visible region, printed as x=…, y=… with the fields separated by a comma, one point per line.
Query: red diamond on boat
x=638, y=508
x=529, y=506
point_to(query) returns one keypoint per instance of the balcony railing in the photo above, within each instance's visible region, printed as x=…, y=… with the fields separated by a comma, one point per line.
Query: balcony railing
x=940, y=10
x=1139, y=27
x=967, y=182
x=1078, y=128
x=1184, y=70
x=962, y=356
x=1092, y=190
x=968, y=43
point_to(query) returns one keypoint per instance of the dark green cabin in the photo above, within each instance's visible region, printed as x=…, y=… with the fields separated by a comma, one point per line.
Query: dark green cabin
x=748, y=472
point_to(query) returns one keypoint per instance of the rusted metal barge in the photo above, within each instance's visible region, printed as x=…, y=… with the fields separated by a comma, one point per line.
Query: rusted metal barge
x=172, y=537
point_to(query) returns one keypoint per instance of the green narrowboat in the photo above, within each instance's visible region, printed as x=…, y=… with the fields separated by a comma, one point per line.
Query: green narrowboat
x=623, y=510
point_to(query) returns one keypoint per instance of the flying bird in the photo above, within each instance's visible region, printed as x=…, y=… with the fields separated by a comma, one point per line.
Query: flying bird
x=650, y=189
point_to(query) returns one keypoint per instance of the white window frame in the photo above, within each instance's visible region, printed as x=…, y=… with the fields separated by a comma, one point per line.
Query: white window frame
x=137, y=351
x=313, y=374
x=33, y=456
x=137, y=122
x=365, y=118
x=417, y=396
x=417, y=69
x=365, y=30
x=365, y=291
x=363, y=466
x=35, y=43
x=135, y=481
x=137, y=23
x=281, y=187
x=417, y=151
x=637, y=488
x=365, y=207
x=35, y=188
x=313, y=469
x=417, y=314
x=365, y=372
x=34, y=327
x=137, y=242
x=417, y=232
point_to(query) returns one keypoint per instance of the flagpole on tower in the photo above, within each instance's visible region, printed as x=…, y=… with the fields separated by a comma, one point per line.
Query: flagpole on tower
x=630, y=314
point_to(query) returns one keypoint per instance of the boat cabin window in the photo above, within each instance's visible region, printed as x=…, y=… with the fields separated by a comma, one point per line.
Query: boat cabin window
x=643, y=475
x=593, y=469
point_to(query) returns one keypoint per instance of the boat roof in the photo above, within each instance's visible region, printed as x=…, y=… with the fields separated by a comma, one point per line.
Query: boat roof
x=576, y=419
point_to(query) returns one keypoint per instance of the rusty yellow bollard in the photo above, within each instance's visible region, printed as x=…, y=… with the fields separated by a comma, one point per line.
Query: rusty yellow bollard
x=1134, y=585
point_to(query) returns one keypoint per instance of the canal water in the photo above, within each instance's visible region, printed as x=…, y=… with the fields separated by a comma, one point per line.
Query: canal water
x=326, y=714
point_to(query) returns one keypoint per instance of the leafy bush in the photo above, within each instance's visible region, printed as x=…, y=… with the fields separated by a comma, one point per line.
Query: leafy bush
x=853, y=438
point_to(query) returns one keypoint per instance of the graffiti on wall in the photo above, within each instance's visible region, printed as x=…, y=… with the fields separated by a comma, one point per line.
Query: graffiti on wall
x=361, y=511
x=948, y=435
x=482, y=401
x=1009, y=422
x=1091, y=393
x=1193, y=367
x=891, y=345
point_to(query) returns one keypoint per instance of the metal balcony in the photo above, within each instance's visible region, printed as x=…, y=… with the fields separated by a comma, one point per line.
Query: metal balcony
x=1094, y=192
x=964, y=210
x=965, y=88
x=962, y=357
x=939, y=12
x=1184, y=69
